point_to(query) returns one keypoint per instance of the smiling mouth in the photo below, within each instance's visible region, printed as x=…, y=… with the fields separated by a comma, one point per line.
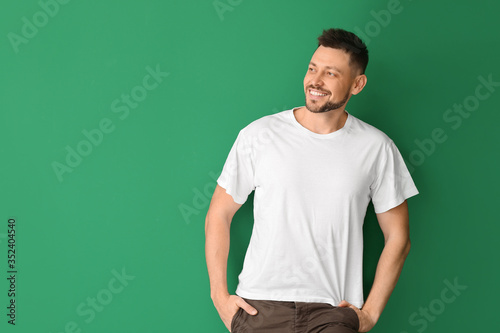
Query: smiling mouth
x=317, y=93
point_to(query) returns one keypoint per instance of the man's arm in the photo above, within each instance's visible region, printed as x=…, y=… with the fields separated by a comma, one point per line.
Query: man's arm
x=217, y=234
x=395, y=227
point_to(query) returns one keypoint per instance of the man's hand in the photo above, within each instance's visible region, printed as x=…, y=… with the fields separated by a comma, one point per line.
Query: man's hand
x=366, y=321
x=227, y=306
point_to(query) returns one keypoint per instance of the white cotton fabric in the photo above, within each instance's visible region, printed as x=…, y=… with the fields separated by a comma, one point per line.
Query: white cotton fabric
x=311, y=195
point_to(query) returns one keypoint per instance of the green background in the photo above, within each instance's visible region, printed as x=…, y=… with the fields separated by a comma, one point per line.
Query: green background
x=137, y=202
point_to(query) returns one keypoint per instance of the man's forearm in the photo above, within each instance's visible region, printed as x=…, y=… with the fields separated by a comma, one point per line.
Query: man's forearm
x=217, y=234
x=386, y=276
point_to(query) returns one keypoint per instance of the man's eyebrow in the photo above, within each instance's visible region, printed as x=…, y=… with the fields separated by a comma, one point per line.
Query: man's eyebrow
x=329, y=67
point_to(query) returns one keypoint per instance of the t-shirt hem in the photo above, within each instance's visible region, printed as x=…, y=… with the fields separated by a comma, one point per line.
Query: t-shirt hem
x=396, y=202
x=267, y=297
x=236, y=198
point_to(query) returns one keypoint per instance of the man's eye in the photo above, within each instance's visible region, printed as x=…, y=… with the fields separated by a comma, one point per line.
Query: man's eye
x=331, y=74
x=311, y=69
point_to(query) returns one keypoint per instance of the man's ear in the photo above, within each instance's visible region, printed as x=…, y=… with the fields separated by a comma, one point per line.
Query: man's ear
x=359, y=84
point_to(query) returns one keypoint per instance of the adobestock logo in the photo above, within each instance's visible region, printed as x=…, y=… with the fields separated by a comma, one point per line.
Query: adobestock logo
x=225, y=6
x=200, y=200
x=96, y=304
x=94, y=137
x=382, y=19
x=454, y=116
x=428, y=314
x=29, y=29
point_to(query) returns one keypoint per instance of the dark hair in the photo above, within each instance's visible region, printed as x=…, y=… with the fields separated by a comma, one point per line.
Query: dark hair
x=349, y=42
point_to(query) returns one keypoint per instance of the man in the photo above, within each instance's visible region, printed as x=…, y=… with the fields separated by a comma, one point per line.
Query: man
x=314, y=170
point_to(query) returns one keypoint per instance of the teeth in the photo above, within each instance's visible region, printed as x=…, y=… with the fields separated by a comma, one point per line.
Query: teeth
x=314, y=93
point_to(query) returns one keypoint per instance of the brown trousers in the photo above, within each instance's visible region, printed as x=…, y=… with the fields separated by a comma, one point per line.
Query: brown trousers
x=295, y=317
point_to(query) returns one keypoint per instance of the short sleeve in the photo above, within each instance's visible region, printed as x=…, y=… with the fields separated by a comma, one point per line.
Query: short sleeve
x=237, y=176
x=393, y=183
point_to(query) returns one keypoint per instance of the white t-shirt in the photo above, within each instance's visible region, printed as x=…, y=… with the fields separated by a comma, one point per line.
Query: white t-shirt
x=311, y=195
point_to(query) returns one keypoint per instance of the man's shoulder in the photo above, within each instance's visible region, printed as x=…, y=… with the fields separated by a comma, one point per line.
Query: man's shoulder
x=268, y=122
x=367, y=132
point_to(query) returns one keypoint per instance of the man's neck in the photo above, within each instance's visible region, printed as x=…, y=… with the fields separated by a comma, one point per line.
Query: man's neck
x=321, y=123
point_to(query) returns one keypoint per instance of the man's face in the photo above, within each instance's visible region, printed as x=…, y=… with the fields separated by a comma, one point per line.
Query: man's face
x=329, y=80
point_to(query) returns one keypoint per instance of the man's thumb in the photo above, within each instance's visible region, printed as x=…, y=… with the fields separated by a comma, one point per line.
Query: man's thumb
x=344, y=304
x=249, y=309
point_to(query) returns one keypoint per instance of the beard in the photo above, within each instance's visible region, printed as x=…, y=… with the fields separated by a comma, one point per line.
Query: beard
x=328, y=106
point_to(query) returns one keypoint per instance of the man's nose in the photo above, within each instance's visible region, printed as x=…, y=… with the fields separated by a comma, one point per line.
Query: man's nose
x=316, y=80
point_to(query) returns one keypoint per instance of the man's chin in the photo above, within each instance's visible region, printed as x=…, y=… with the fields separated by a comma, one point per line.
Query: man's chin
x=325, y=107
x=316, y=108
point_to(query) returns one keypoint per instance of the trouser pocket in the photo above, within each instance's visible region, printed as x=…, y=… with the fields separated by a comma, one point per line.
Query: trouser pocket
x=354, y=318
x=235, y=318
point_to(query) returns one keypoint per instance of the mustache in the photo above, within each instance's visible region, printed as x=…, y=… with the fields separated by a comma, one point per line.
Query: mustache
x=318, y=89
